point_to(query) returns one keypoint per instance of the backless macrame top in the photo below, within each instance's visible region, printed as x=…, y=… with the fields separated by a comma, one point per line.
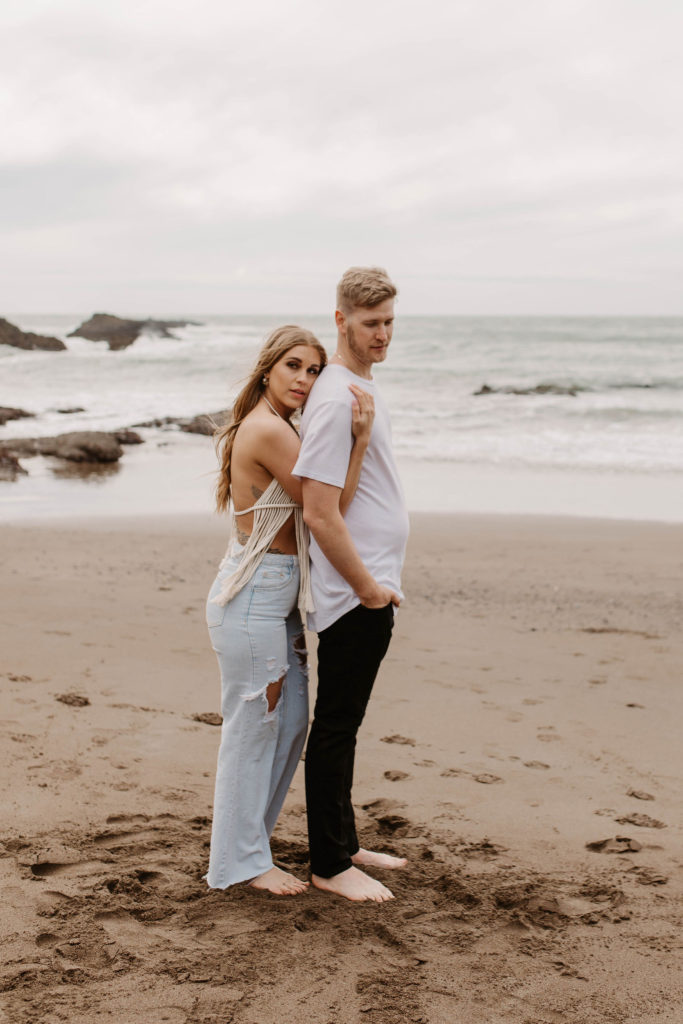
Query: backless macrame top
x=271, y=512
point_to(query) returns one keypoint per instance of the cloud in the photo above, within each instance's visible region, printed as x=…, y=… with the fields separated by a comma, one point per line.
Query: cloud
x=475, y=138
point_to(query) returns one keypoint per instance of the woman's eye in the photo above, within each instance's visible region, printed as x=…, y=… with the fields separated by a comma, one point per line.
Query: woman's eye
x=314, y=370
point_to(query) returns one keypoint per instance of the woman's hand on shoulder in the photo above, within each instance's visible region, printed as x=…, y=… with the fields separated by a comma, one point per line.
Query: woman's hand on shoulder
x=362, y=414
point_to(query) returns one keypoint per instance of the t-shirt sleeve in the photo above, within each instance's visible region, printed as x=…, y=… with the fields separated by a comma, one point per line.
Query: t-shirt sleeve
x=326, y=445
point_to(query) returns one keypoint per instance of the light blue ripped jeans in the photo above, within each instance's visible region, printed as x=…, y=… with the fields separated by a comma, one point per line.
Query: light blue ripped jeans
x=258, y=637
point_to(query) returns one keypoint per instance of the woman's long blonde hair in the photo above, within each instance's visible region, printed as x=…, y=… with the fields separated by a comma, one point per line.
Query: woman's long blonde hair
x=275, y=347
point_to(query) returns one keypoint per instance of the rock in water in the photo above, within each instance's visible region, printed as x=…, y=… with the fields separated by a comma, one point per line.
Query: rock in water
x=127, y=436
x=202, y=423
x=120, y=333
x=77, y=446
x=10, y=467
x=538, y=389
x=8, y=413
x=205, y=423
x=12, y=335
x=83, y=446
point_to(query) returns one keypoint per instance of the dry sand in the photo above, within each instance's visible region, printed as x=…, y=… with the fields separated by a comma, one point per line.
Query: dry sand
x=530, y=704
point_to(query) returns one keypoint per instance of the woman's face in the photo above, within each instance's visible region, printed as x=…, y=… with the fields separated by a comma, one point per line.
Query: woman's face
x=292, y=377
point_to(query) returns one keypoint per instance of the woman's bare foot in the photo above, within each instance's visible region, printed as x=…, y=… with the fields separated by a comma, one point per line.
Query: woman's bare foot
x=371, y=859
x=354, y=885
x=280, y=882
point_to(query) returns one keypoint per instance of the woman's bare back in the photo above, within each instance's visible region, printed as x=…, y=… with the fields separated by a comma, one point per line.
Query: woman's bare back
x=250, y=478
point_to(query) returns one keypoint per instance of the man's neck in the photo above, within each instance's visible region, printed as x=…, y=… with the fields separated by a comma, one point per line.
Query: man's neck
x=343, y=357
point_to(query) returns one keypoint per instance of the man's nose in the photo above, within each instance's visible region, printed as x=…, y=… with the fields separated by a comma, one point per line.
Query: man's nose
x=382, y=333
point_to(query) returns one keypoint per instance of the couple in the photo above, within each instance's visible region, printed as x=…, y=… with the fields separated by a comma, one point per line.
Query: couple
x=339, y=481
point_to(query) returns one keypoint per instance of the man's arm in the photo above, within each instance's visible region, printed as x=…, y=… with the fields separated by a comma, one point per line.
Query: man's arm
x=325, y=521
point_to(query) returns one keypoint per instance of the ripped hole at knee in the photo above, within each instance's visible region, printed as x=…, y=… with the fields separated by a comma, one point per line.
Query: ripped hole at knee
x=273, y=693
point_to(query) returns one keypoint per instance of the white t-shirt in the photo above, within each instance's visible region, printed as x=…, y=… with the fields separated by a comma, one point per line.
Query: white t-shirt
x=377, y=518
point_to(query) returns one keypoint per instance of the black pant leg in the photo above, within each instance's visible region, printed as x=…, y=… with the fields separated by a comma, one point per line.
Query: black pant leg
x=350, y=652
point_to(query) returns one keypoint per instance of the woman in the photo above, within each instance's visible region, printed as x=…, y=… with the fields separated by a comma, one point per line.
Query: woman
x=254, y=606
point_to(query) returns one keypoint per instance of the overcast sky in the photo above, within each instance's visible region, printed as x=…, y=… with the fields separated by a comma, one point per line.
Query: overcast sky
x=496, y=156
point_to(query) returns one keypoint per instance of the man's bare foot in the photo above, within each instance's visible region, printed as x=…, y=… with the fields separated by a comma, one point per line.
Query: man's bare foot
x=354, y=885
x=280, y=882
x=371, y=859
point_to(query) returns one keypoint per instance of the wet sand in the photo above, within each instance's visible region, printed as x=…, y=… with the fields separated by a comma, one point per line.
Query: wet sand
x=530, y=704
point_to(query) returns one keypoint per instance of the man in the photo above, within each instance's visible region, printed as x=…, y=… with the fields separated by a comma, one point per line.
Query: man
x=356, y=564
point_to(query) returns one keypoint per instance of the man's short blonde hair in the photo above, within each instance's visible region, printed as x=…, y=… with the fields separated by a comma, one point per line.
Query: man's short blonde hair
x=364, y=286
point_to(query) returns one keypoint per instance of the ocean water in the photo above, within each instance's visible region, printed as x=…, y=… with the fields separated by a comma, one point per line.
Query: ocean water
x=625, y=417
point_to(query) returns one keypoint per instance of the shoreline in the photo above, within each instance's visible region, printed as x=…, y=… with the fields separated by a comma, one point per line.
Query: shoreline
x=174, y=473
x=216, y=525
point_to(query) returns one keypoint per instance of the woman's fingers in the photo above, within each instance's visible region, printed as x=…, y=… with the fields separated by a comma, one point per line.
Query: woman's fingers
x=362, y=413
x=363, y=405
x=362, y=417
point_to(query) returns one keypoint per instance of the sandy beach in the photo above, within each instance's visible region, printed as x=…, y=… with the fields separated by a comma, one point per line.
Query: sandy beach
x=530, y=705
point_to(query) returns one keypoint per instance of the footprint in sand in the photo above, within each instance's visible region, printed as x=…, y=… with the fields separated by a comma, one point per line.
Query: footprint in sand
x=208, y=718
x=641, y=820
x=648, y=876
x=73, y=700
x=390, y=824
x=639, y=794
x=621, y=632
x=393, y=775
x=619, y=844
x=115, y=819
x=541, y=765
x=119, y=840
x=486, y=778
x=547, y=734
x=46, y=869
x=396, y=738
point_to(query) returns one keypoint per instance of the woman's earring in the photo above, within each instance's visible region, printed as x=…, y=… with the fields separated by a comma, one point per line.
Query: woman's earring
x=264, y=380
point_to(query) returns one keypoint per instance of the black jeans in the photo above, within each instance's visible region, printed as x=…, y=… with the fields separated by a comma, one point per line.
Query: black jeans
x=350, y=652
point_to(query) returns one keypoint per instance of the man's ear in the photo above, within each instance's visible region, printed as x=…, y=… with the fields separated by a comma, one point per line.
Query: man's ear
x=340, y=320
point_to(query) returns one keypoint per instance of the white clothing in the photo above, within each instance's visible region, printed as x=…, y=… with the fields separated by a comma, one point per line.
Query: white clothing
x=377, y=517
x=271, y=511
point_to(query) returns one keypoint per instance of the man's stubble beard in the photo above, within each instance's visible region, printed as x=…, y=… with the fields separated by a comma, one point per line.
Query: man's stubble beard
x=366, y=358
x=351, y=342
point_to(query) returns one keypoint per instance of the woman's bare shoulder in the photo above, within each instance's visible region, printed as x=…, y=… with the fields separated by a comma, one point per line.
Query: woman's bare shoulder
x=258, y=428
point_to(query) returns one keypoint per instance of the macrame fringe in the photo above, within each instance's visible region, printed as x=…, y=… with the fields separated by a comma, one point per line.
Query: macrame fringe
x=271, y=512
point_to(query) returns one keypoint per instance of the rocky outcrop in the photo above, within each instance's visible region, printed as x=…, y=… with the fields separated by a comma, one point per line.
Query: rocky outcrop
x=12, y=335
x=10, y=467
x=128, y=436
x=203, y=423
x=120, y=333
x=86, y=447
x=8, y=413
x=538, y=389
x=76, y=446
